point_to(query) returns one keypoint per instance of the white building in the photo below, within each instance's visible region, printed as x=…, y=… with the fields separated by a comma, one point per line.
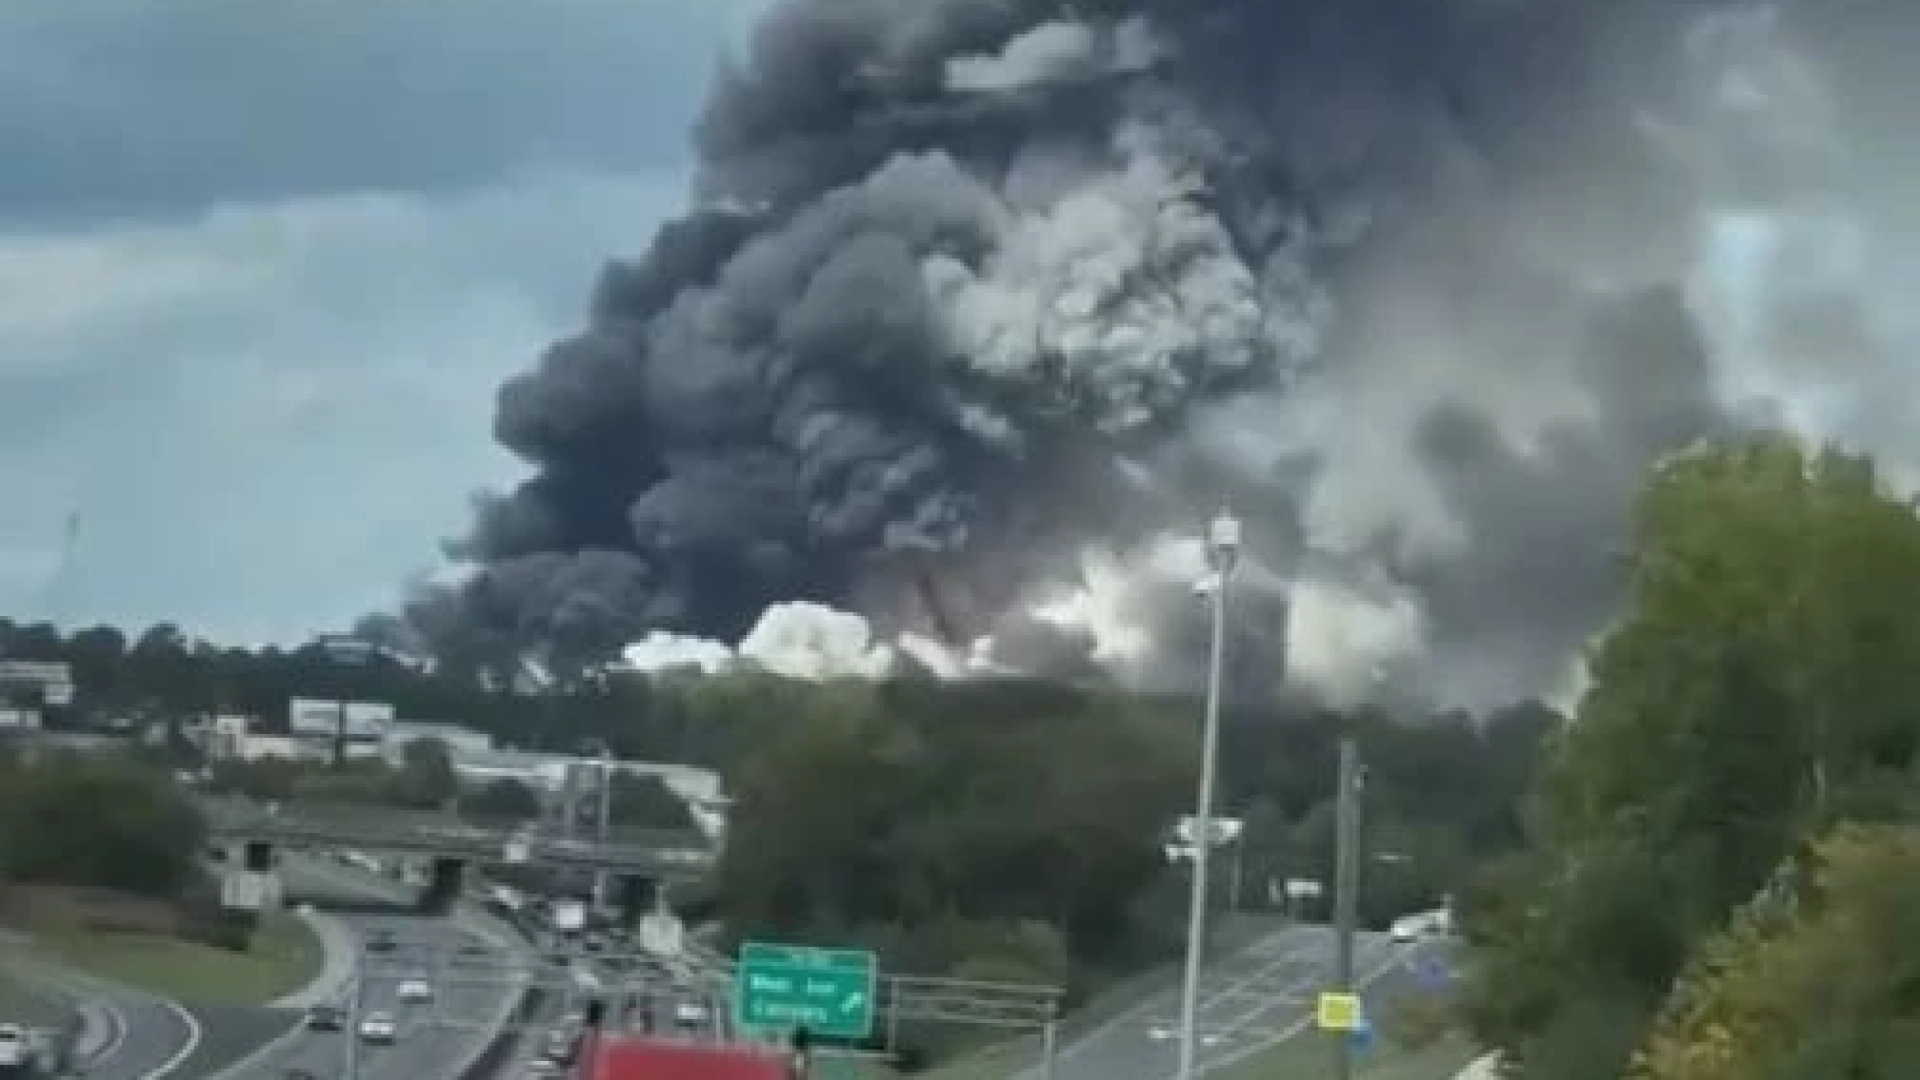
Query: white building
x=238, y=738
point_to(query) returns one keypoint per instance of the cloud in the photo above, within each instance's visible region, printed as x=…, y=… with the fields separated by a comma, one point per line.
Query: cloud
x=129, y=107
x=262, y=266
x=257, y=412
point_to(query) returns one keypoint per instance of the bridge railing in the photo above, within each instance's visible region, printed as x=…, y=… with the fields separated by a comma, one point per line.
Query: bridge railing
x=235, y=814
x=327, y=821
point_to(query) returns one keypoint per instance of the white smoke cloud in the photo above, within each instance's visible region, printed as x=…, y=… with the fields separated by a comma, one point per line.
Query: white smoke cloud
x=1060, y=305
x=801, y=640
x=1343, y=642
x=1058, y=51
x=1046, y=53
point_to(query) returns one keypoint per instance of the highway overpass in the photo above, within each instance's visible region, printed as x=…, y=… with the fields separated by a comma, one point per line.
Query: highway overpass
x=673, y=856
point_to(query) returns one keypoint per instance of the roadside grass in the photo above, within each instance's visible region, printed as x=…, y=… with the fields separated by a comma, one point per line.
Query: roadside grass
x=997, y=1060
x=70, y=929
x=21, y=1003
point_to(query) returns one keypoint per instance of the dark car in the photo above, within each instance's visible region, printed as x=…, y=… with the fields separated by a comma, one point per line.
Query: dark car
x=326, y=1018
x=380, y=941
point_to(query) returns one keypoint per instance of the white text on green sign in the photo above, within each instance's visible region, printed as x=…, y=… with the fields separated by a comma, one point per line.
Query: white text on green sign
x=828, y=991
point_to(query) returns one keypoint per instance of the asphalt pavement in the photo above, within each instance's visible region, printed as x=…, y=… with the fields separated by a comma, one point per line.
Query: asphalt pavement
x=644, y=997
x=436, y=1039
x=143, y=1038
x=1249, y=1000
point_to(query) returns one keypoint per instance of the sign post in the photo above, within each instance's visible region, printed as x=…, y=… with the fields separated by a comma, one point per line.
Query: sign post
x=829, y=992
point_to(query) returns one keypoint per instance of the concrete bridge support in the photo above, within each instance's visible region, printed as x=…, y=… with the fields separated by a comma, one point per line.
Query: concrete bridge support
x=250, y=880
x=443, y=886
x=635, y=896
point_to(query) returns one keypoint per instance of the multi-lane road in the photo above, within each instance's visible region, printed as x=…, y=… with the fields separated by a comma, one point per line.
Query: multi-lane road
x=436, y=1039
x=141, y=1037
x=1250, y=1000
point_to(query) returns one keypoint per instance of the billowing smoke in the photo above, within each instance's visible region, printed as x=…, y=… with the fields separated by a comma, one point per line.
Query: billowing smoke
x=984, y=305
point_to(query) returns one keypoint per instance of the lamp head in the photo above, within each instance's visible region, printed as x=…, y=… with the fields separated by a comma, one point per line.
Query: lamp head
x=1223, y=540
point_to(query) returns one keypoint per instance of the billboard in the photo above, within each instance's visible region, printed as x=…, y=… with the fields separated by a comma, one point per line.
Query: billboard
x=316, y=718
x=50, y=682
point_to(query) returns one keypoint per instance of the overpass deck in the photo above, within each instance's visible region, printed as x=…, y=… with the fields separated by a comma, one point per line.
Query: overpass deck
x=657, y=853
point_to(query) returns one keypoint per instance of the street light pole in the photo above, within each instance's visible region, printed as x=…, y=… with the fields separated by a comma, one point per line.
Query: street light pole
x=1223, y=546
x=354, y=1005
x=601, y=881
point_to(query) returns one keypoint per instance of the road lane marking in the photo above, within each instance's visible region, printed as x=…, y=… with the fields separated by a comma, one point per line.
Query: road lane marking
x=1393, y=961
x=1294, y=942
x=1394, y=958
x=187, y=1048
x=117, y=1021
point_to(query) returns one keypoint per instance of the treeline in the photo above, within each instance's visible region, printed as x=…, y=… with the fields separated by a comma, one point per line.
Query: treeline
x=1015, y=832
x=101, y=820
x=1013, y=827
x=1722, y=878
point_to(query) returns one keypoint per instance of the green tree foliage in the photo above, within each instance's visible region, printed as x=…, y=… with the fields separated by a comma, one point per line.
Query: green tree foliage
x=1012, y=826
x=645, y=802
x=859, y=819
x=1828, y=988
x=426, y=777
x=98, y=820
x=503, y=799
x=1760, y=685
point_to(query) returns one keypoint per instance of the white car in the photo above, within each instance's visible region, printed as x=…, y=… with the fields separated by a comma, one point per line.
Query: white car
x=1418, y=927
x=13, y=1046
x=416, y=991
x=690, y=1014
x=379, y=1028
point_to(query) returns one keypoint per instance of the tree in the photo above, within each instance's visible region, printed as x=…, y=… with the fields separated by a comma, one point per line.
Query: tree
x=948, y=840
x=505, y=798
x=647, y=802
x=1759, y=686
x=1826, y=987
x=97, y=820
x=426, y=774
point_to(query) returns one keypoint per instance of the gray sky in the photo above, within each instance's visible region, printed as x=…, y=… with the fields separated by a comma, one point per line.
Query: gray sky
x=263, y=264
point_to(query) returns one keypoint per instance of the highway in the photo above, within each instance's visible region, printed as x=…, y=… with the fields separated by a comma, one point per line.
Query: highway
x=1249, y=1000
x=435, y=1040
x=143, y=1037
x=155, y=1037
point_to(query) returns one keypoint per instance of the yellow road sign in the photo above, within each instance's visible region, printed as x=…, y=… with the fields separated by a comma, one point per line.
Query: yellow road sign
x=1339, y=1012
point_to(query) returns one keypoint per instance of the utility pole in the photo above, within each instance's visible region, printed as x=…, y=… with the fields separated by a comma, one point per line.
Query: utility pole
x=1347, y=890
x=1233, y=880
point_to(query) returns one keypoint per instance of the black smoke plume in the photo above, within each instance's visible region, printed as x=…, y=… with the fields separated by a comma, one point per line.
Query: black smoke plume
x=970, y=284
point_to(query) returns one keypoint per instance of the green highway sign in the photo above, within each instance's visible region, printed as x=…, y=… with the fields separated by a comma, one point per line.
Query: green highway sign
x=830, y=992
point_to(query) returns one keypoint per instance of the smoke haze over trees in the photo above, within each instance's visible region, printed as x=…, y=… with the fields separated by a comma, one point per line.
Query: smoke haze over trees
x=972, y=293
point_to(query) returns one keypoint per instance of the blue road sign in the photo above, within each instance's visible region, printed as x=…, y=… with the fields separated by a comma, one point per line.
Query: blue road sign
x=1430, y=971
